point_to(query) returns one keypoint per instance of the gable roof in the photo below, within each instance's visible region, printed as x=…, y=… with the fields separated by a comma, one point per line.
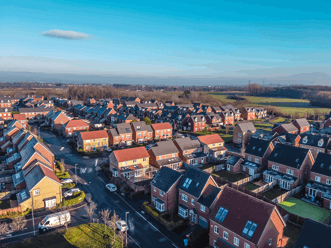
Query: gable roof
x=19, y=117
x=75, y=123
x=37, y=174
x=257, y=147
x=123, y=128
x=101, y=134
x=314, y=235
x=199, y=179
x=313, y=140
x=164, y=147
x=142, y=126
x=288, y=155
x=322, y=164
x=165, y=178
x=187, y=144
x=209, y=195
x=131, y=154
x=288, y=127
x=210, y=139
x=35, y=110
x=302, y=122
x=161, y=126
x=246, y=127
x=242, y=208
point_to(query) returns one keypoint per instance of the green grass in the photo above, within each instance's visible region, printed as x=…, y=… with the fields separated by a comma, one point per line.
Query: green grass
x=4, y=204
x=227, y=137
x=11, y=215
x=257, y=99
x=292, y=232
x=232, y=177
x=277, y=120
x=84, y=236
x=263, y=125
x=273, y=193
x=222, y=97
x=288, y=204
x=307, y=210
x=75, y=199
x=250, y=186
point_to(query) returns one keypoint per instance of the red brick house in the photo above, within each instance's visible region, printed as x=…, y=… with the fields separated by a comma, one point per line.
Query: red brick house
x=21, y=119
x=164, y=189
x=6, y=114
x=192, y=185
x=285, y=128
x=288, y=166
x=194, y=123
x=5, y=102
x=227, y=117
x=141, y=132
x=214, y=120
x=162, y=130
x=33, y=112
x=248, y=113
x=236, y=111
x=57, y=120
x=302, y=125
x=121, y=135
x=165, y=154
x=190, y=151
x=241, y=220
x=242, y=132
x=258, y=151
x=287, y=139
x=327, y=123
x=73, y=126
x=315, y=143
x=319, y=184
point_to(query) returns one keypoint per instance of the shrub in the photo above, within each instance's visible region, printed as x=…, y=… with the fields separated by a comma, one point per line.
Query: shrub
x=75, y=199
x=60, y=166
x=62, y=175
x=68, y=185
x=11, y=215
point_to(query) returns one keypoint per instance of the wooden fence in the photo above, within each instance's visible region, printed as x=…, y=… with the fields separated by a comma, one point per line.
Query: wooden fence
x=247, y=179
x=264, y=187
x=287, y=195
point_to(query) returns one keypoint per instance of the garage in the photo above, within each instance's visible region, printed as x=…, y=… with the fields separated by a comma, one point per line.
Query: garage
x=203, y=222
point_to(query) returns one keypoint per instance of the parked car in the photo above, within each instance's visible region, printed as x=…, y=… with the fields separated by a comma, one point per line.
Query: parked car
x=54, y=220
x=122, y=226
x=109, y=150
x=111, y=187
x=71, y=192
x=66, y=180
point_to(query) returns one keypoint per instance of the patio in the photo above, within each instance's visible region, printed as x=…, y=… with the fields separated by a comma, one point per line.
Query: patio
x=274, y=193
x=232, y=177
x=306, y=210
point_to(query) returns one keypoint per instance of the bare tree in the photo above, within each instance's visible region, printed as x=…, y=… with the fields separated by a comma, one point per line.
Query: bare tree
x=121, y=236
x=112, y=223
x=18, y=224
x=105, y=213
x=4, y=228
x=90, y=209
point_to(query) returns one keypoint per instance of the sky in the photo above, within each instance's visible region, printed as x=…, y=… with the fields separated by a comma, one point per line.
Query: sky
x=260, y=39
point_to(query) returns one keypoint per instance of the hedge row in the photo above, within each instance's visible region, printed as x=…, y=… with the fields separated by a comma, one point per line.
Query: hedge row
x=68, y=185
x=72, y=200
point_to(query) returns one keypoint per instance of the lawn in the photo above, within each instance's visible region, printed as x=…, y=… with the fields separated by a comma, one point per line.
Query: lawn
x=307, y=210
x=250, y=186
x=232, y=177
x=4, y=204
x=292, y=231
x=227, y=137
x=278, y=120
x=222, y=97
x=273, y=193
x=86, y=235
x=271, y=100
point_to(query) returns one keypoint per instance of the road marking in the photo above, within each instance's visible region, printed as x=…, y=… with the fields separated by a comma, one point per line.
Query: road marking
x=62, y=148
x=18, y=235
x=83, y=170
x=101, y=179
x=134, y=241
x=96, y=162
x=175, y=245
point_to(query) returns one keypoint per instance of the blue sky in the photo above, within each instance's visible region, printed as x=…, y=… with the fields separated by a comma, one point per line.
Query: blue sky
x=168, y=38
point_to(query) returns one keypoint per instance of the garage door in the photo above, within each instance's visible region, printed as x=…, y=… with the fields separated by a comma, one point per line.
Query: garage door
x=203, y=222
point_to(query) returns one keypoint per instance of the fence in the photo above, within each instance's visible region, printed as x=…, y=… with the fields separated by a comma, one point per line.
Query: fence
x=287, y=195
x=6, y=179
x=4, y=172
x=264, y=187
x=247, y=179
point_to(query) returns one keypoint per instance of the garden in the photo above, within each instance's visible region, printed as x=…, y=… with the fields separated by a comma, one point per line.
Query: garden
x=232, y=177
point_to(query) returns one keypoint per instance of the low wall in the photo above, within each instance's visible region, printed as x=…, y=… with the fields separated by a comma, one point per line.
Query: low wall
x=5, y=211
x=287, y=195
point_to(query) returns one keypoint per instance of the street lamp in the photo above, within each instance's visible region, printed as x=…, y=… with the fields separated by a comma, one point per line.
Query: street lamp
x=126, y=233
x=75, y=173
x=34, y=232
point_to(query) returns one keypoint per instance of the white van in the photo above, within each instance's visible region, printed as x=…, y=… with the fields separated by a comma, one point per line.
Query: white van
x=54, y=220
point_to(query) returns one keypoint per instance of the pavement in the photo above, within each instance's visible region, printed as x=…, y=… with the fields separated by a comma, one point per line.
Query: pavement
x=144, y=231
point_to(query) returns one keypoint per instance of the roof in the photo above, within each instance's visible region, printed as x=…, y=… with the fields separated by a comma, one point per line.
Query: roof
x=209, y=195
x=94, y=135
x=19, y=117
x=302, y=122
x=113, y=132
x=75, y=123
x=22, y=196
x=187, y=144
x=322, y=164
x=123, y=128
x=193, y=181
x=288, y=155
x=37, y=174
x=210, y=139
x=313, y=140
x=131, y=154
x=288, y=137
x=242, y=208
x=289, y=127
x=246, y=126
x=233, y=160
x=33, y=110
x=314, y=235
x=164, y=147
x=142, y=126
x=198, y=118
x=165, y=178
x=5, y=110
x=257, y=147
x=161, y=126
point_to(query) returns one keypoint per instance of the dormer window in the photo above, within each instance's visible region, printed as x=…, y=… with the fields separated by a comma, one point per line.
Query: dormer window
x=320, y=142
x=305, y=140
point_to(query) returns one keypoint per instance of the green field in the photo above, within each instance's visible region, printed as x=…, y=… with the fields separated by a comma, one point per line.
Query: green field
x=222, y=97
x=307, y=210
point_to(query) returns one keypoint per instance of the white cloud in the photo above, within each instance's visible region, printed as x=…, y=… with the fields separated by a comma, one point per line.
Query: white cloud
x=67, y=35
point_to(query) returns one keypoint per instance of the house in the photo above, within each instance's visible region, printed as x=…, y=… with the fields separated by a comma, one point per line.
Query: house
x=285, y=128
x=93, y=140
x=162, y=130
x=194, y=123
x=241, y=220
x=227, y=117
x=164, y=189
x=288, y=166
x=141, y=132
x=5, y=102
x=317, y=144
x=73, y=126
x=129, y=163
x=121, y=135
x=91, y=101
x=6, y=113
x=302, y=125
x=192, y=185
x=214, y=145
x=214, y=120
x=190, y=151
x=319, y=184
x=21, y=119
x=57, y=120
x=260, y=113
x=313, y=234
x=165, y=154
x=243, y=132
x=31, y=113
x=287, y=139
x=258, y=151
x=249, y=113
x=123, y=118
x=236, y=111
x=206, y=203
x=233, y=164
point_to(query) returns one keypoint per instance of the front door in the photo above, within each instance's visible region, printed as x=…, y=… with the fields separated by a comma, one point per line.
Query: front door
x=312, y=192
x=203, y=222
x=50, y=203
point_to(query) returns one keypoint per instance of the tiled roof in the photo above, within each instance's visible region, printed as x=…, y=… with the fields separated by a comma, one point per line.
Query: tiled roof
x=161, y=126
x=257, y=147
x=94, y=135
x=165, y=178
x=210, y=139
x=75, y=123
x=322, y=164
x=123, y=128
x=164, y=147
x=35, y=110
x=5, y=110
x=187, y=144
x=131, y=154
x=209, y=195
x=314, y=140
x=302, y=122
x=19, y=117
x=289, y=127
x=37, y=174
x=246, y=126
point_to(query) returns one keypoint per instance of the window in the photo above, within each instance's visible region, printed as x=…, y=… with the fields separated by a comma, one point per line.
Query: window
x=144, y=159
x=239, y=134
x=290, y=172
x=317, y=179
x=257, y=160
x=115, y=173
x=124, y=163
x=192, y=202
x=173, y=155
x=154, y=189
x=236, y=241
x=225, y=235
x=134, y=161
x=249, y=158
x=128, y=136
x=161, y=192
x=202, y=208
x=239, y=140
x=182, y=212
x=216, y=229
x=87, y=141
x=222, y=212
x=328, y=182
x=184, y=197
x=247, y=245
x=274, y=167
x=37, y=192
x=270, y=241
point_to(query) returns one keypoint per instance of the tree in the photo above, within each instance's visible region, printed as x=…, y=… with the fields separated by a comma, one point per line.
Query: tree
x=296, y=115
x=18, y=224
x=105, y=216
x=147, y=121
x=90, y=209
x=121, y=236
x=112, y=223
x=4, y=228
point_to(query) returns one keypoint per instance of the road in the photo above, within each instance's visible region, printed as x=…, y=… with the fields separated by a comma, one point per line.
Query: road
x=142, y=232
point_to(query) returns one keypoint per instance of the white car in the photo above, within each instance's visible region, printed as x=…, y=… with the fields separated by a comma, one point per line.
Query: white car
x=111, y=187
x=66, y=180
x=122, y=226
x=71, y=192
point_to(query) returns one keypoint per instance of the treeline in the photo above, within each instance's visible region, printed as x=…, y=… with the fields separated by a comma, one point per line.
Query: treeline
x=321, y=99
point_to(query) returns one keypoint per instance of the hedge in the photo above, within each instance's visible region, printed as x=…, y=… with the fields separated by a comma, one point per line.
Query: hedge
x=60, y=166
x=62, y=175
x=11, y=215
x=75, y=199
x=68, y=185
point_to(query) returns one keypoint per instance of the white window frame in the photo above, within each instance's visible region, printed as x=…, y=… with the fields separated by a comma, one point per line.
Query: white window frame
x=161, y=192
x=225, y=235
x=270, y=241
x=192, y=202
x=247, y=245
x=36, y=192
x=257, y=160
x=275, y=167
x=202, y=208
x=182, y=212
x=328, y=181
x=184, y=197
x=236, y=241
x=216, y=228
x=154, y=189
x=239, y=134
x=317, y=179
x=249, y=158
